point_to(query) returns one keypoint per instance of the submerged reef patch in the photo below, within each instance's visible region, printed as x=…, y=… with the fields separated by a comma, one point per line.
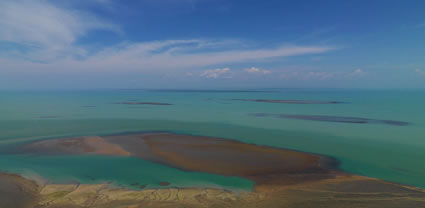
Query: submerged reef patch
x=337, y=119
x=142, y=103
x=290, y=101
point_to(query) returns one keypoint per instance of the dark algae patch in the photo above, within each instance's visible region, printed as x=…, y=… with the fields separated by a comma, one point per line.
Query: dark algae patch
x=142, y=103
x=164, y=183
x=290, y=101
x=337, y=119
x=49, y=116
x=88, y=106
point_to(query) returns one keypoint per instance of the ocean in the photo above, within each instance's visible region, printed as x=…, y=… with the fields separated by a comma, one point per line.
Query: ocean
x=376, y=133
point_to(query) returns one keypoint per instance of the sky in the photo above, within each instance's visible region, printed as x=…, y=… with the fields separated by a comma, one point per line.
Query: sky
x=98, y=44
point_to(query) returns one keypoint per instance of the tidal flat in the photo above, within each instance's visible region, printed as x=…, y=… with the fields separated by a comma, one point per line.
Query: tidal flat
x=281, y=177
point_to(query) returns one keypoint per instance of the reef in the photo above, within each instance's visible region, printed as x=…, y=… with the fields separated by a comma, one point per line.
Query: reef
x=290, y=101
x=338, y=119
x=142, y=103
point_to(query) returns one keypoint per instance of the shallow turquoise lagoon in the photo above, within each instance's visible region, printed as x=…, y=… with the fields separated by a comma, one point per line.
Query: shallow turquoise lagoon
x=393, y=153
x=120, y=171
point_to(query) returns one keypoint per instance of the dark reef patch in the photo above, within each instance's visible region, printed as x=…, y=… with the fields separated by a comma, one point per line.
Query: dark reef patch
x=142, y=103
x=164, y=183
x=290, y=101
x=209, y=91
x=337, y=119
x=49, y=116
x=88, y=106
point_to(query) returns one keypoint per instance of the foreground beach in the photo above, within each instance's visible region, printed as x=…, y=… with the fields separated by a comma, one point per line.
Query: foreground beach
x=282, y=177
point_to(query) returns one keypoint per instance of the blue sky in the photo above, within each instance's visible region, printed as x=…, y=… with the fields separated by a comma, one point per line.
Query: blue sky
x=212, y=44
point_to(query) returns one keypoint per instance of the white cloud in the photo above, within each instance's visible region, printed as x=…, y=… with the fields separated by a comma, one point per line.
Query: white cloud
x=300, y=74
x=46, y=37
x=254, y=70
x=45, y=30
x=357, y=72
x=308, y=75
x=420, y=72
x=217, y=73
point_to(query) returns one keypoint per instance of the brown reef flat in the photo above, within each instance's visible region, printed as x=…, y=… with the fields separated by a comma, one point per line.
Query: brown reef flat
x=283, y=178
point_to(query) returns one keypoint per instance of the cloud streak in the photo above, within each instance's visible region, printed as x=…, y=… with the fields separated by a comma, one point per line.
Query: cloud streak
x=189, y=53
x=170, y=55
x=321, y=75
x=217, y=73
x=43, y=30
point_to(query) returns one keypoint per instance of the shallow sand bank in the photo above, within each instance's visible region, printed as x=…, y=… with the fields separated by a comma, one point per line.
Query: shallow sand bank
x=196, y=153
x=283, y=178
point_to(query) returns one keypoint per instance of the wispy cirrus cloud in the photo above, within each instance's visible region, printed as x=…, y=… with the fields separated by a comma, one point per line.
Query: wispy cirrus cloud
x=298, y=74
x=44, y=31
x=45, y=39
x=172, y=55
x=217, y=73
x=190, y=53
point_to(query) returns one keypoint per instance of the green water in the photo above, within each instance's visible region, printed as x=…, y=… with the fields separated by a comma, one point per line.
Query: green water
x=393, y=153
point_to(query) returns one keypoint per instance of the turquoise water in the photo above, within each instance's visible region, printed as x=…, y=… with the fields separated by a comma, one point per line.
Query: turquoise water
x=393, y=153
x=128, y=172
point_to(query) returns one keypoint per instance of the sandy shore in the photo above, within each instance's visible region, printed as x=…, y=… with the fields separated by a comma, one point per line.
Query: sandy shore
x=283, y=178
x=341, y=191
